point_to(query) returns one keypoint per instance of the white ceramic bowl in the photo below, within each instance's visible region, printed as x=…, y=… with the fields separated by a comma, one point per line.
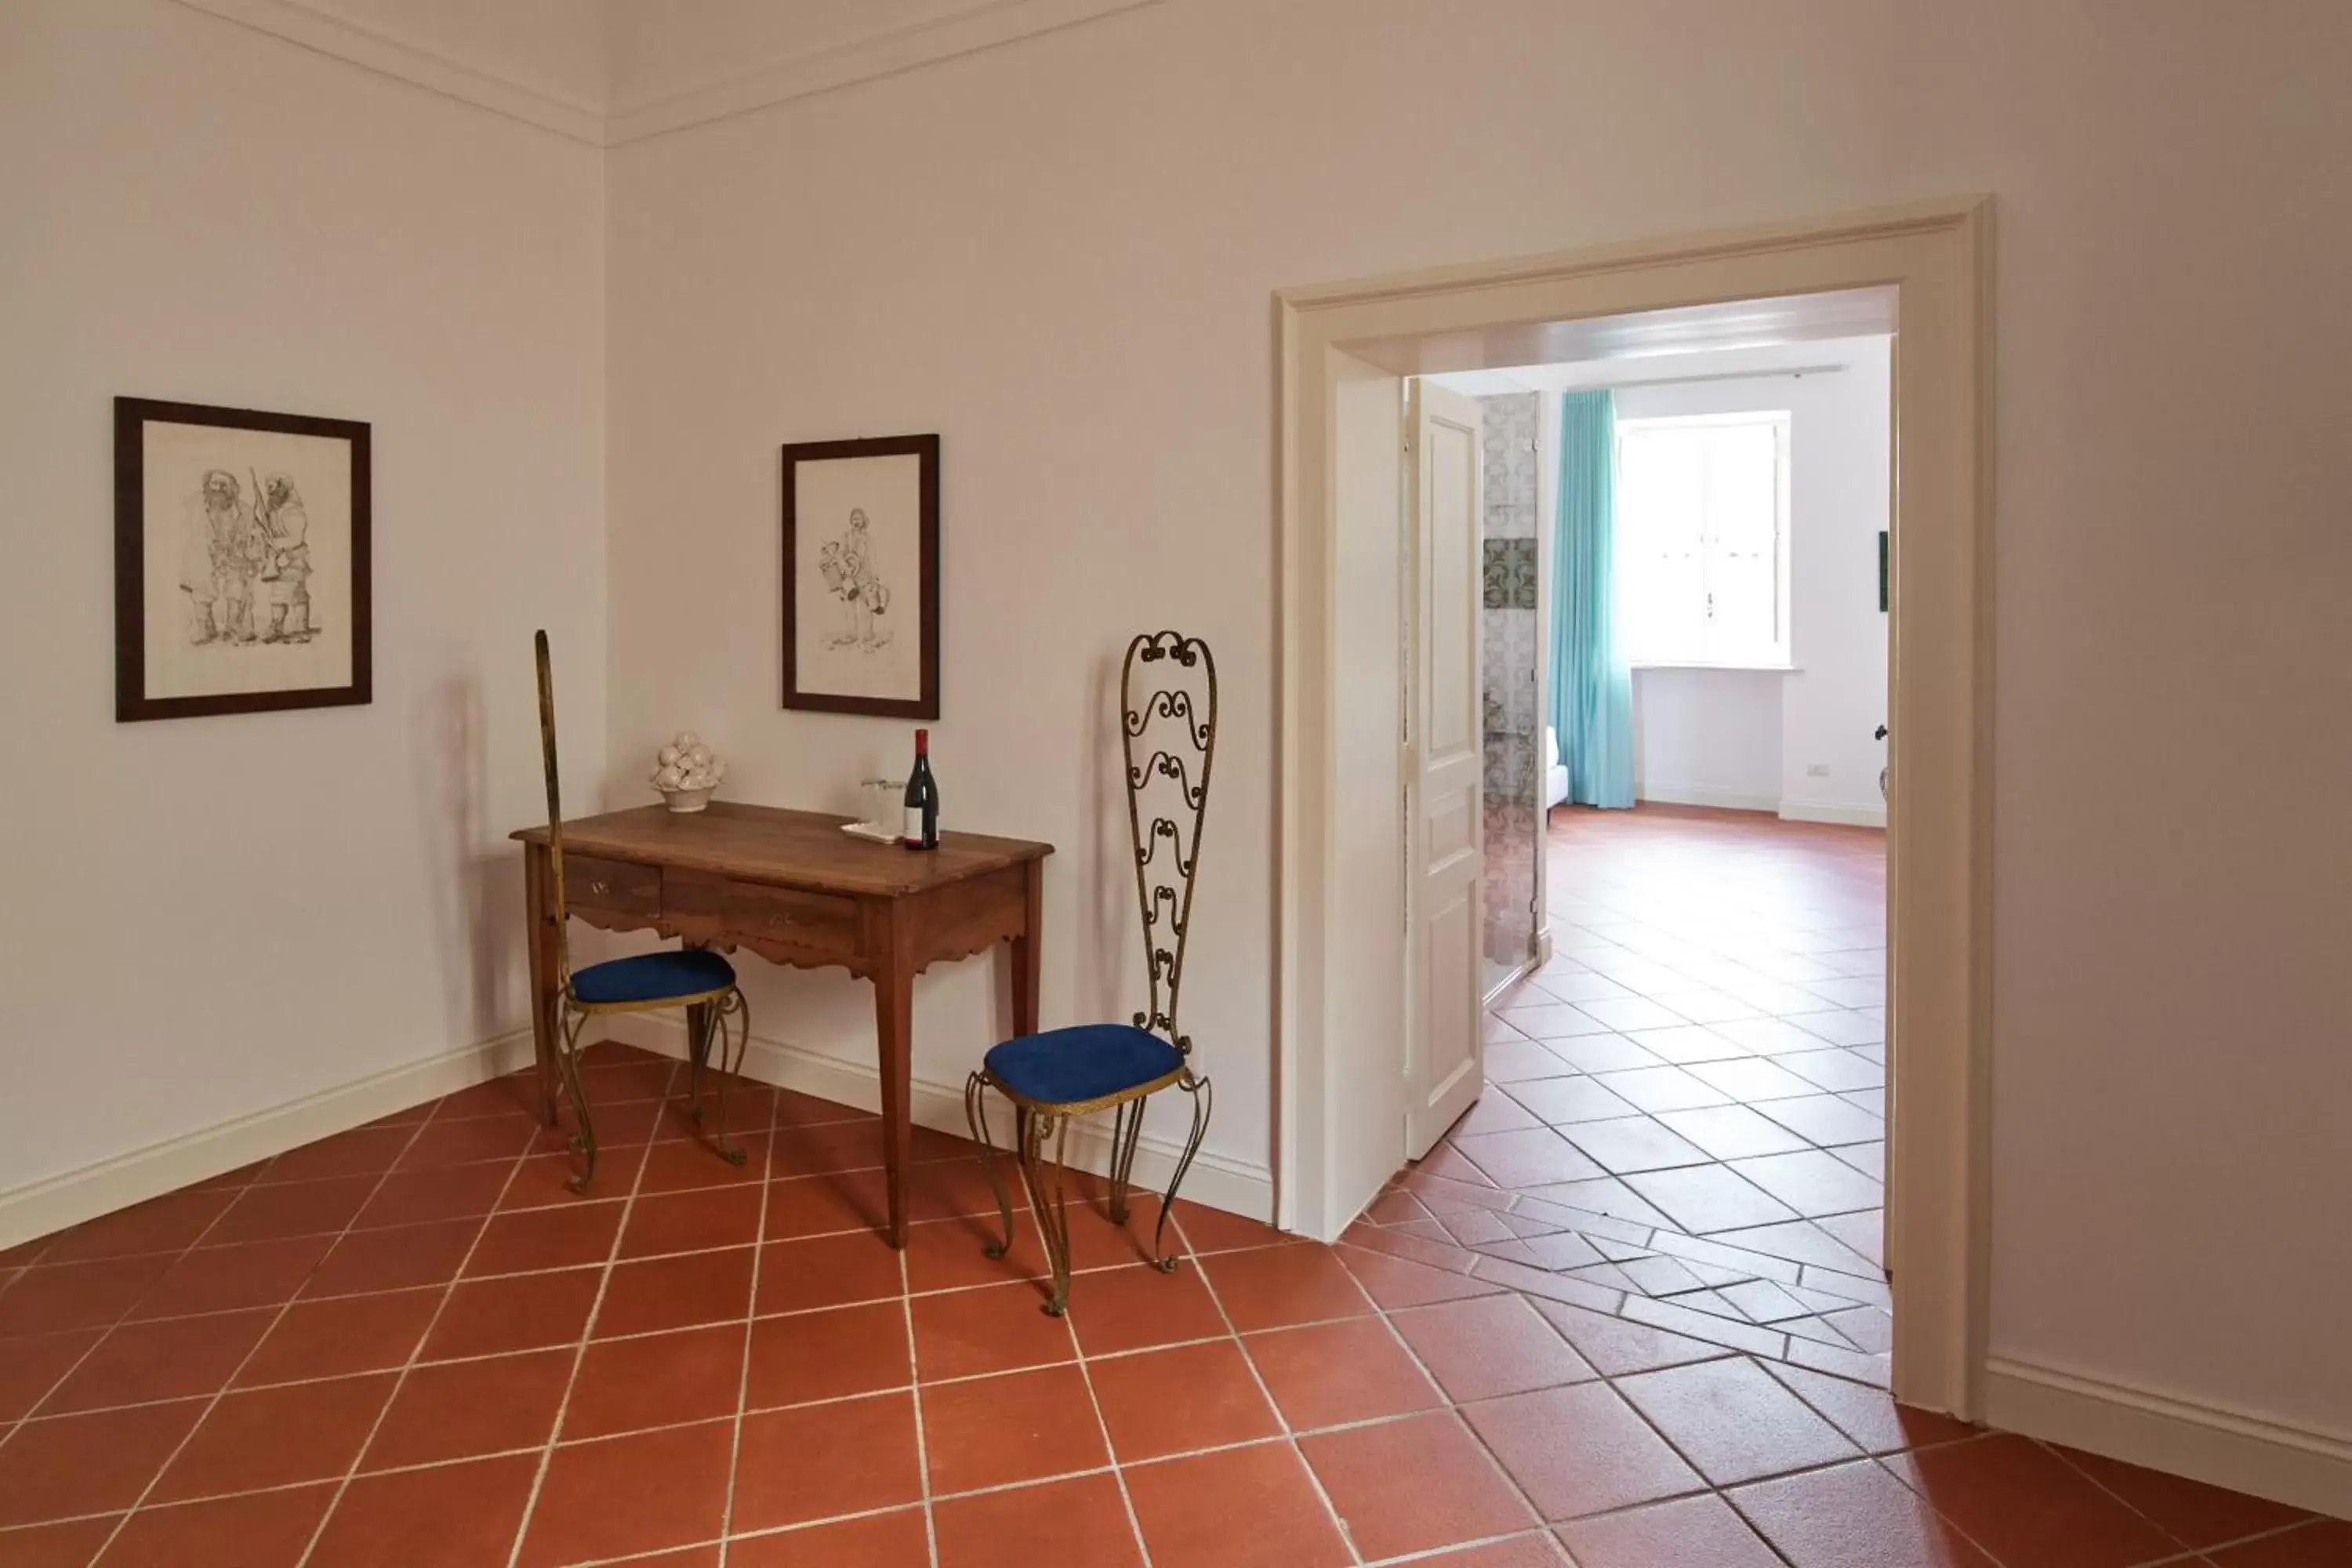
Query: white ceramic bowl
x=686, y=800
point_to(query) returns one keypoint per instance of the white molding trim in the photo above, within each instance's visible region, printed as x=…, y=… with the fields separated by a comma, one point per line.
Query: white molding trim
x=1217, y=1180
x=1839, y=815
x=50, y=1204
x=982, y=26
x=1705, y=794
x=2239, y=1449
x=987, y=25
x=315, y=30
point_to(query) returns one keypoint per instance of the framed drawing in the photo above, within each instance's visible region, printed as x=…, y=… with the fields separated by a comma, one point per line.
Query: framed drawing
x=240, y=561
x=861, y=554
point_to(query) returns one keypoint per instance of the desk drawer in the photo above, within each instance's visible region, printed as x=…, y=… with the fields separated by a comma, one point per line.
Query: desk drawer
x=620, y=887
x=817, y=921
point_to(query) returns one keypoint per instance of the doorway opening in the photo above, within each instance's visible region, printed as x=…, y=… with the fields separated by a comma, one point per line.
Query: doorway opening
x=1681, y=643
x=1355, y=354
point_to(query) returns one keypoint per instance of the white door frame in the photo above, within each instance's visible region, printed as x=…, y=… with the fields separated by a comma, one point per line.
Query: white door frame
x=1937, y=254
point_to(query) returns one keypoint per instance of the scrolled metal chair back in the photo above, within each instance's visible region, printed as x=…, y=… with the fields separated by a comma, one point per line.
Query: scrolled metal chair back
x=1168, y=705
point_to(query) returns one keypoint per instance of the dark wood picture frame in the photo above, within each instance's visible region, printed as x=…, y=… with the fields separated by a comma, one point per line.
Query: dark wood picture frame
x=132, y=702
x=926, y=617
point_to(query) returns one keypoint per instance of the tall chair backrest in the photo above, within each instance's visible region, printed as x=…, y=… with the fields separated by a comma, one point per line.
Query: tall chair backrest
x=554, y=810
x=1168, y=708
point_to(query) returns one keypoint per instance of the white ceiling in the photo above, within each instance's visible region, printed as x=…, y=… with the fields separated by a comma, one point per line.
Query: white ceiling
x=1534, y=354
x=609, y=71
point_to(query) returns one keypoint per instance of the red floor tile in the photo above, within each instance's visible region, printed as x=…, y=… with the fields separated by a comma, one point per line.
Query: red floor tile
x=2326, y=1543
x=525, y=1312
x=394, y=1260
x=2190, y=1511
x=655, y=1380
x=562, y=1237
x=1580, y=1450
x=692, y=1222
x=676, y=1292
x=1328, y=1374
x=995, y=1328
x=1868, y=1415
x=543, y=1181
x=828, y=1271
x=828, y=1353
x=169, y=1360
x=261, y=1530
x=72, y=1465
x=77, y=1295
x=33, y=1364
x=1695, y=1533
x=1617, y=1346
x=635, y=1494
x=1275, y=1287
x=822, y=1461
x=275, y=1436
x=688, y=1165
x=1456, y=1493
x=1080, y=1520
x=415, y=1197
x=362, y=1151
x=1490, y=1346
x=1394, y=1282
x=1214, y=1230
x=1162, y=1402
x=1854, y=1516
x=68, y=1545
x=1733, y=1422
x=344, y=1334
x=458, y=1410
x=2030, y=1508
x=167, y=1223
x=1534, y=1550
x=1021, y=1426
x=1241, y=1508
x=223, y=1279
x=305, y=1208
x=896, y=1539
x=1134, y=1306
x=451, y=1516
x=950, y=1253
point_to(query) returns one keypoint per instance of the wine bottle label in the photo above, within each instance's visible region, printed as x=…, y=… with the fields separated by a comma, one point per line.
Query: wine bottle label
x=913, y=830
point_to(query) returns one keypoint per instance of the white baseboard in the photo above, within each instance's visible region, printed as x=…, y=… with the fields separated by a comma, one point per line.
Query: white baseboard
x=2239, y=1449
x=1844, y=816
x=1218, y=1181
x=42, y=1207
x=1705, y=794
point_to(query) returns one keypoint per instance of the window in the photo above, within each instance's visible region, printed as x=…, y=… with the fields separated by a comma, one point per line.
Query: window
x=1702, y=540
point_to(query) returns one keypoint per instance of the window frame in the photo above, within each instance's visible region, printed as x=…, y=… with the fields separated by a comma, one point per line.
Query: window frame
x=1780, y=656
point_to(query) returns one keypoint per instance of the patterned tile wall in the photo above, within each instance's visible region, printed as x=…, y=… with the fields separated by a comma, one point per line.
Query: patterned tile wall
x=1513, y=776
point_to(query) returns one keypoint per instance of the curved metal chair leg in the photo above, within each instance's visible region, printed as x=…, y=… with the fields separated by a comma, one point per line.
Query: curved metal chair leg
x=584, y=1139
x=975, y=1111
x=1202, y=1101
x=1052, y=1207
x=1126, y=1129
x=715, y=1030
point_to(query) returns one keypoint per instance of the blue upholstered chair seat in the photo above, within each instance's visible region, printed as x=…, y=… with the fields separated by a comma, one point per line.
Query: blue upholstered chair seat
x=653, y=977
x=1068, y=1066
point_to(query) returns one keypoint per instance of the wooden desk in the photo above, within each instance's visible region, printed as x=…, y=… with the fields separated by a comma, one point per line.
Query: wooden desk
x=791, y=886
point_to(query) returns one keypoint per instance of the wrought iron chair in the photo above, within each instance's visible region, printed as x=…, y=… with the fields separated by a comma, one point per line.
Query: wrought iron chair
x=694, y=978
x=1056, y=1077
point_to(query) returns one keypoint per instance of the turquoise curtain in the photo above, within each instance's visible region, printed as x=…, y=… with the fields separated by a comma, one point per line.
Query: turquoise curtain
x=1592, y=689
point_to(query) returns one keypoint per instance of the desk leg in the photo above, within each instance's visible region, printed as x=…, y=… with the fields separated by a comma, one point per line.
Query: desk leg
x=540, y=941
x=1028, y=951
x=893, y=1027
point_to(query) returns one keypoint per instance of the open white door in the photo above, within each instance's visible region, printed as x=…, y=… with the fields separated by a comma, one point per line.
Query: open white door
x=1444, y=760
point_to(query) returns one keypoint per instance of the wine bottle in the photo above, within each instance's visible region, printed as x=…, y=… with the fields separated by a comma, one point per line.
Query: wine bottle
x=921, y=830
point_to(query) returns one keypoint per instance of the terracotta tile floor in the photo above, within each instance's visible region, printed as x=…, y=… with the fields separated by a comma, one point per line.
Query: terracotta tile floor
x=408, y=1345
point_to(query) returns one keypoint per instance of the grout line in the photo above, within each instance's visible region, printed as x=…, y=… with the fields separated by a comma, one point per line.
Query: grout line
x=580, y=1354
x=767, y=1152
x=229, y=1383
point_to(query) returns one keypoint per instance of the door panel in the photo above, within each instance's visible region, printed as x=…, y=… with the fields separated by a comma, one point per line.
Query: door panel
x=1444, y=766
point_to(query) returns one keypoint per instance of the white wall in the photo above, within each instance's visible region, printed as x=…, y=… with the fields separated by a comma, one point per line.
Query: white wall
x=1060, y=255
x=1748, y=739
x=206, y=918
